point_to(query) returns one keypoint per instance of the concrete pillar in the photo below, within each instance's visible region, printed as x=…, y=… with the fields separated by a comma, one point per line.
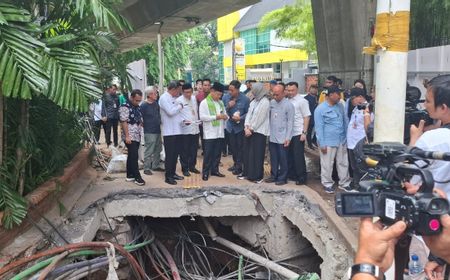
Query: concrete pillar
x=390, y=79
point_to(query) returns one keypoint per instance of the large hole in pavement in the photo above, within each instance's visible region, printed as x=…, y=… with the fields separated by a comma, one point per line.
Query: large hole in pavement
x=283, y=225
x=196, y=255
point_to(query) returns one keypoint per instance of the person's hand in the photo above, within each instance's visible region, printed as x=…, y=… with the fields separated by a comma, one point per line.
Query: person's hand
x=128, y=140
x=231, y=103
x=104, y=119
x=434, y=271
x=236, y=118
x=376, y=245
x=440, y=244
x=286, y=143
x=323, y=149
x=415, y=132
x=302, y=137
x=247, y=132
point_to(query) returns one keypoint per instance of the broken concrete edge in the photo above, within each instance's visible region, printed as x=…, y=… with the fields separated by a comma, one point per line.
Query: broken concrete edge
x=349, y=238
x=46, y=196
x=41, y=235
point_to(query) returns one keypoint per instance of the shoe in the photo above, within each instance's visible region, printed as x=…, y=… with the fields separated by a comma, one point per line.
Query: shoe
x=269, y=180
x=241, y=177
x=194, y=170
x=129, y=179
x=231, y=169
x=224, y=154
x=159, y=169
x=280, y=183
x=217, y=174
x=170, y=181
x=139, y=182
x=178, y=177
x=236, y=172
x=186, y=173
x=300, y=182
x=205, y=177
x=347, y=189
x=328, y=190
x=148, y=172
x=258, y=181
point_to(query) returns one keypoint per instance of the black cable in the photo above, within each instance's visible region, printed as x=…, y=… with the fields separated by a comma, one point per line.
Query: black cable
x=49, y=223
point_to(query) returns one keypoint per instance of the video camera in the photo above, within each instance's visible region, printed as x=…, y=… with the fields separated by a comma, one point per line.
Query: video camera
x=413, y=115
x=384, y=195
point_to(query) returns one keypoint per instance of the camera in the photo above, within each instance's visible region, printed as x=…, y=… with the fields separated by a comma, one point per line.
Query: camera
x=413, y=115
x=384, y=196
x=362, y=106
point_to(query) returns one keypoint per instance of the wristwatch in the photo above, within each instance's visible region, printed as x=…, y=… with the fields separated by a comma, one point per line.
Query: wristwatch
x=365, y=268
x=304, y=132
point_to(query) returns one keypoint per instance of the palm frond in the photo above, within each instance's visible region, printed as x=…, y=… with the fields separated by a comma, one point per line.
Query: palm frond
x=73, y=79
x=11, y=13
x=105, y=15
x=21, y=63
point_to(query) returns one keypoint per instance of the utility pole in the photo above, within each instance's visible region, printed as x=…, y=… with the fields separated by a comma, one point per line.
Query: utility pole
x=390, y=47
x=160, y=58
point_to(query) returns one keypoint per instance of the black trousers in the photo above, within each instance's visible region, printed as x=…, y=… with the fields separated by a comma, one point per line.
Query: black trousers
x=226, y=146
x=202, y=141
x=296, y=159
x=114, y=123
x=278, y=161
x=237, y=146
x=211, y=156
x=356, y=174
x=97, y=126
x=254, y=150
x=310, y=138
x=172, y=148
x=188, y=155
x=132, y=160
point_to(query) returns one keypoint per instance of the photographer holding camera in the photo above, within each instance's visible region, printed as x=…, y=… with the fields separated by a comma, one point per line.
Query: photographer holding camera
x=360, y=119
x=376, y=245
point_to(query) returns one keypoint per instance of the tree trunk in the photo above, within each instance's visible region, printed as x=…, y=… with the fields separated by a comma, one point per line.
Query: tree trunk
x=20, y=150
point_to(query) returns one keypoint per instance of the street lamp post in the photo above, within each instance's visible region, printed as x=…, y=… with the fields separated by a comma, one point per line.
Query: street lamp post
x=160, y=57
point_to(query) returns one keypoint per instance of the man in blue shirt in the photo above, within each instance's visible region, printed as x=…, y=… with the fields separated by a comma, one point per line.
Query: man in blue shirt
x=236, y=105
x=331, y=129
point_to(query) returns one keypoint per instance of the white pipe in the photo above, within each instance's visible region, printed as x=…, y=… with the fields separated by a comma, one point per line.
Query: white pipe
x=160, y=64
x=289, y=274
x=390, y=80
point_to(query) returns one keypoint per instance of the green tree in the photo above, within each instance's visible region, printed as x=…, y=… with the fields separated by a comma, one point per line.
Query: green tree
x=429, y=26
x=294, y=23
x=49, y=51
x=203, y=56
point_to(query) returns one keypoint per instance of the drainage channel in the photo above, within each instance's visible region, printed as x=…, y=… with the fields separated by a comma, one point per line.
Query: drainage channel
x=291, y=228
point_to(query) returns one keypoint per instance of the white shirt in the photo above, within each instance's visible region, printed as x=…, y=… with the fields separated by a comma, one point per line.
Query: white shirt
x=355, y=129
x=96, y=108
x=171, y=118
x=189, y=113
x=437, y=140
x=210, y=131
x=258, y=116
x=301, y=107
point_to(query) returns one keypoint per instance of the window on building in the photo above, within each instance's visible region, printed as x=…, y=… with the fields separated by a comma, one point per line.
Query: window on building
x=256, y=41
x=263, y=41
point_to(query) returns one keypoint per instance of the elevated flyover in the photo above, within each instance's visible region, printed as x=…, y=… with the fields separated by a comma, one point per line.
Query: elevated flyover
x=176, y=15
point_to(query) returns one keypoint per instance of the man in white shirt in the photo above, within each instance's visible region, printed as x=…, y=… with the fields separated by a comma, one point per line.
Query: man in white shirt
x=97, y=108
x=212, y=114
x=296, y=155
x=190, y=130
x=171, y=119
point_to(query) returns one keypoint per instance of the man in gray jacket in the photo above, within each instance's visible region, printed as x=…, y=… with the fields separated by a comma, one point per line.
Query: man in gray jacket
x=110, y=111
x=281, y=123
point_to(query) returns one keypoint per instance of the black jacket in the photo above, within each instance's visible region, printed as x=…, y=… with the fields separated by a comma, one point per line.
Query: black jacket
x=110, y=105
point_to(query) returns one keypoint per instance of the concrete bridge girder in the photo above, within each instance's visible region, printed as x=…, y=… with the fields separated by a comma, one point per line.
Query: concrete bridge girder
x=342, y=29
x=143, y=14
